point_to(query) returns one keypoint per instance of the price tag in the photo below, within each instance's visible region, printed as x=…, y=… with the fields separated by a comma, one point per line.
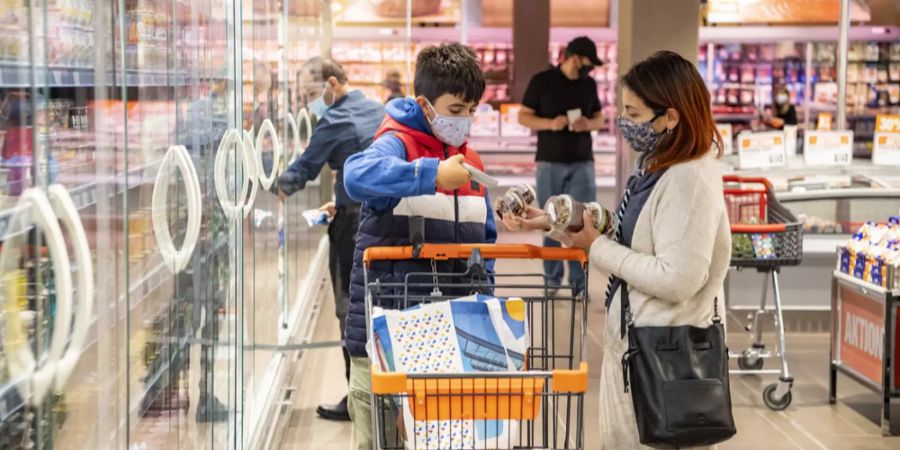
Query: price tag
x=486, y=122
x=77, y=78
x=886, y=145
x=886, y=149
x=727, y=133
x=509, y=118
x=761, y=150
x=828, y=148
x=824, y=122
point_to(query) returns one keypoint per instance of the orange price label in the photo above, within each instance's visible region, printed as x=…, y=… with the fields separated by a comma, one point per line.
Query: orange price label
x=824, y=122
x=888, y=123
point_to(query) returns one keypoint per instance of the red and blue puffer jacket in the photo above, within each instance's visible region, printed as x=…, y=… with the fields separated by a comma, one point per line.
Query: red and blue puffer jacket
x=394, y=179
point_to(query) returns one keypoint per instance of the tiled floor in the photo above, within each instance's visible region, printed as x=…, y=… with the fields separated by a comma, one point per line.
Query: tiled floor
x=809, y=423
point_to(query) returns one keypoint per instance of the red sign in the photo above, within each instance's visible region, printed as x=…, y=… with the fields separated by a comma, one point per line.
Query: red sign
x=862, y=335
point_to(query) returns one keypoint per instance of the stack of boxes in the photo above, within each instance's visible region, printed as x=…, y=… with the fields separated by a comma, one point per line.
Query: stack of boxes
x=872, y=252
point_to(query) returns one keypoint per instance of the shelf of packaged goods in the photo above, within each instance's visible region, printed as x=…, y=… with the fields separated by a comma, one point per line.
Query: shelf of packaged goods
x=514, y=180
x=20, y=76
x=85, y=195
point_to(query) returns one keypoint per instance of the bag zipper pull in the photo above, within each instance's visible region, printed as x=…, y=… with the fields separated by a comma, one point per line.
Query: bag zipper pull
x=625, y=369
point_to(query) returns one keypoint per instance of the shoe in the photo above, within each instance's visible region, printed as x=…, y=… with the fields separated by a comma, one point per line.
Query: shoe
x=211, y=411
x=334, y=412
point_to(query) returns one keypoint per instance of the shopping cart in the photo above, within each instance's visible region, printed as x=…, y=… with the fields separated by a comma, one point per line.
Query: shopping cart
x=765, y=236
x=542, y=405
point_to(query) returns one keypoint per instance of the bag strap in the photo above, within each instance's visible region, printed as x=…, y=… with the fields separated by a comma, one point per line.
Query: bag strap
x=627, y=319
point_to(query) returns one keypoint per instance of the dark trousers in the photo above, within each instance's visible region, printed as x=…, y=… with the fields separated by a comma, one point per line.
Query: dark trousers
x=342, y=235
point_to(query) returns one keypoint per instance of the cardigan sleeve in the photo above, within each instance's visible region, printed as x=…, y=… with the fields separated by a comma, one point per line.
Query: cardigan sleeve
x=684, y=224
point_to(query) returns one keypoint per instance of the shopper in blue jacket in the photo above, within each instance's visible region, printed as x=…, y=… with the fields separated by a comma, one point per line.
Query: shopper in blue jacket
x=414, y=169
x=347, y=122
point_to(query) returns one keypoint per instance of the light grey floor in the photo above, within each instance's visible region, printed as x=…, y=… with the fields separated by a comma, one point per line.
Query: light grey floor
x=809, y=423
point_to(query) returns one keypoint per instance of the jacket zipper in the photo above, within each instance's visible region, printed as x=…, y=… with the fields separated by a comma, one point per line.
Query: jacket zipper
x=455, y=205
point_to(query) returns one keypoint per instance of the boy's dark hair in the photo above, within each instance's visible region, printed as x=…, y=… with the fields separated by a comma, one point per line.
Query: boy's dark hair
x=324, y=68
x=448, y=69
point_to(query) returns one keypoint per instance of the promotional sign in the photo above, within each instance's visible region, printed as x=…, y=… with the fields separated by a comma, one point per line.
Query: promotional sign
x=727, y=133
x=824, y=122
x=886, y=145
x=828, y=148
x=861, y=334
x=509, y=121
x=761, y=150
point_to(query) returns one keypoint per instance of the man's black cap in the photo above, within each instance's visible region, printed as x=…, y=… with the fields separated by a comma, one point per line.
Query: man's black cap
x=584, y=46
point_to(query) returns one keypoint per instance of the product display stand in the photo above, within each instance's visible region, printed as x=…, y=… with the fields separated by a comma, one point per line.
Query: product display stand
x=864, y=337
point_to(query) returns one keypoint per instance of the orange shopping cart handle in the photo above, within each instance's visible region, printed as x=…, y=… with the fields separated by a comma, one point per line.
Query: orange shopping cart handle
x=462, y=251
x=773, y=228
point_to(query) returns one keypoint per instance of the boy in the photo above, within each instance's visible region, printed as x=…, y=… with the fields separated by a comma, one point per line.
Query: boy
x=413, y=169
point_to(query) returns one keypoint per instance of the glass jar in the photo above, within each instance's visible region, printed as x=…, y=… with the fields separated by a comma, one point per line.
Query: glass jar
x=567, y=214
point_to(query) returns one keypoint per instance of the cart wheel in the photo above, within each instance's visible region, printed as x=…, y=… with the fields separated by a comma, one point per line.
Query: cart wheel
x=772, y=403
x=749, y=360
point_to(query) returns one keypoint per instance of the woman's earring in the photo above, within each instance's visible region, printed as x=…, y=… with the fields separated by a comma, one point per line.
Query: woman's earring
x=668, y=131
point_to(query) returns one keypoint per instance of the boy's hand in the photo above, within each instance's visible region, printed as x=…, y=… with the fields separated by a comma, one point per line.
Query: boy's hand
x=451, y=175
x=559, y=123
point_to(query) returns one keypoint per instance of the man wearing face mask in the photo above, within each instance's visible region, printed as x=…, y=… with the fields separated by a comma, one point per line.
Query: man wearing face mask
x=347, y=122
x=562, y=105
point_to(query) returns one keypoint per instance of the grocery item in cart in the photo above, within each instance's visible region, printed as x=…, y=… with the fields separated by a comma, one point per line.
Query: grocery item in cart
x=468, y=335
x=516, y=200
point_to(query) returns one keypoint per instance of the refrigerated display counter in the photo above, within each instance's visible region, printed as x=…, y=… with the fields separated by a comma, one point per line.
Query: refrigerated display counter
x=833, y=202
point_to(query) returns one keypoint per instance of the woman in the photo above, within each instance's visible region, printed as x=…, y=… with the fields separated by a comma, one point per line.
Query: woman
x=784, y=111
x=673, y=243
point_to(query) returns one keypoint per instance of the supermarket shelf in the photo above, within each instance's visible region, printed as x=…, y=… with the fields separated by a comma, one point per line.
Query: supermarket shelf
x=18, y=75
x=86, y=194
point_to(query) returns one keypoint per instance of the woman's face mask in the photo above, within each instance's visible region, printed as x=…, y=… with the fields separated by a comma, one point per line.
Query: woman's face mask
x=781, y=98
x=640, y=135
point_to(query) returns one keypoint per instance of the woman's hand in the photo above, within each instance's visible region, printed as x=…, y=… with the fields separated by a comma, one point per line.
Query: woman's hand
x=584, y=238
x=535, y=219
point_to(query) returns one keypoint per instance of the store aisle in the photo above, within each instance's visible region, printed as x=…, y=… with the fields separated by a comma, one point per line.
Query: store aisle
x=809, y=423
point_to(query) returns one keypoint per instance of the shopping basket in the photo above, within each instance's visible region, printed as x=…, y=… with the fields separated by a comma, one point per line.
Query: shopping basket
x=542, y=406
x=765, y=236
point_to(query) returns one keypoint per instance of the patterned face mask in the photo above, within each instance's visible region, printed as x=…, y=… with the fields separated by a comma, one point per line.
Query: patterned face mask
x=639, y=135
x=452, y=131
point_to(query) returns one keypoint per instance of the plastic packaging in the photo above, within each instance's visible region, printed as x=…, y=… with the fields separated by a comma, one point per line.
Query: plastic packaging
x=516, y=201
x=315, y=217
x=567, y=214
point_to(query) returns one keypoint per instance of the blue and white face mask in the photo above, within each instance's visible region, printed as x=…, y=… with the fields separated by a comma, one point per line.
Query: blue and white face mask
x=450, y=130
x=640, y=135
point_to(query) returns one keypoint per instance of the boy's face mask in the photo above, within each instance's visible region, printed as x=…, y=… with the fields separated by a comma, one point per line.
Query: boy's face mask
x=450, y=130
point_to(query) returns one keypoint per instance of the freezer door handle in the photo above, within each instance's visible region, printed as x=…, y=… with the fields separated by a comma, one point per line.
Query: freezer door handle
x=65, y=209
x=268, y=128
x=36, y=381
x=233, y=210
x=176, y=259
x=252, y=172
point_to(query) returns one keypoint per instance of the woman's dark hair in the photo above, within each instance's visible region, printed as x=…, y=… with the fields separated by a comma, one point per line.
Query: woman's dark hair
x=448, y=69
x=666, y=80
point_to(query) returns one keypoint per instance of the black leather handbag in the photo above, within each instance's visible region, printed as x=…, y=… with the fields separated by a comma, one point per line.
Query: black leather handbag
x=679, y=382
